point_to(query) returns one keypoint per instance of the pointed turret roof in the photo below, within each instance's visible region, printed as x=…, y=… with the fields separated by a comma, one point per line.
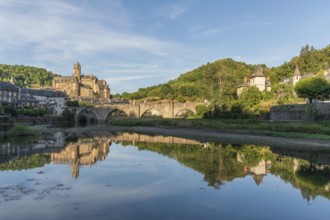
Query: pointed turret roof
x=258, y=72
x=258, y=179
x=297, y=72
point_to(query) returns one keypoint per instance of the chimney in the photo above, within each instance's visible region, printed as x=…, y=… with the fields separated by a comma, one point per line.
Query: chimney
x=245, y=79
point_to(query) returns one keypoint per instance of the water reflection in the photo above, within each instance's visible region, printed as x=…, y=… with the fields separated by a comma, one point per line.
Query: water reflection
x=219, y=163
x=86, y=151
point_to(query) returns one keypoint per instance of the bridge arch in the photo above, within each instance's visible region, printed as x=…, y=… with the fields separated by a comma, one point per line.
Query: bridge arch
x=86, y=117
x=151, y=113
x=102, y=113
x=183, y=113
x=115, y=113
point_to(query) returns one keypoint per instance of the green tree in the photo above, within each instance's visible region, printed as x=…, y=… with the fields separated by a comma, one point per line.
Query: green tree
x=67, y=118
x=73, y=103
x=201, y=111
x=312, y=88
x=249, y=98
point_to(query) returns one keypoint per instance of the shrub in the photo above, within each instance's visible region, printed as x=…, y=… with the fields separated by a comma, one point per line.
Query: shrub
x=201, y=111
x=22, y=130
x=68, y=118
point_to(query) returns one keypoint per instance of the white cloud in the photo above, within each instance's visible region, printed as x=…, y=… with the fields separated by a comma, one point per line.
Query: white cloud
x=57, y=31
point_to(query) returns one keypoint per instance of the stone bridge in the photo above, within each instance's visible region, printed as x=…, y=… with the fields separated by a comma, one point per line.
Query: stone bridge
x=102, y=113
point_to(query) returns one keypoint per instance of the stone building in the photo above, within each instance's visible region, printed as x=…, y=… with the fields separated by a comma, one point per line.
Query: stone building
x=53, y=101
x=78, y=85
x=9, y=93
x=297, y=76
x=258, y=79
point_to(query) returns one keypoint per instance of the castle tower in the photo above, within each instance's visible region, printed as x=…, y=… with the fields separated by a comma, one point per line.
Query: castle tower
x=258, y=79
x=77, y=71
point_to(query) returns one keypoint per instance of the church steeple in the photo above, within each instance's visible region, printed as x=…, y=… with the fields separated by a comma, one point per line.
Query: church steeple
x=296, y=71
x=296, y=76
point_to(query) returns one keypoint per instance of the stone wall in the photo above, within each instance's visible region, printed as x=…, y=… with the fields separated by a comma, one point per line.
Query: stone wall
x=301, y=112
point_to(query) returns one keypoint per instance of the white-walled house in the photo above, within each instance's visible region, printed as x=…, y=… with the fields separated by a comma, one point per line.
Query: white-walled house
x=258, y=79
x=297, y=76
x=53, y=101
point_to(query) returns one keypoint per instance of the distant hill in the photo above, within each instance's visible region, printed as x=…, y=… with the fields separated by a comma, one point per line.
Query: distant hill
x=213, y=80
x=26, y=76
x=309, y=60
x=218, y=80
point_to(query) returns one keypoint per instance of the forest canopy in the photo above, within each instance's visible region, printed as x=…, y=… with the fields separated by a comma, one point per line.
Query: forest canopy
x=218, y=80
x=26, y=76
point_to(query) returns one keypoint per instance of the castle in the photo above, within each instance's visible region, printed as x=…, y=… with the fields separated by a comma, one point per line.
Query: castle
x=79, y=85
x=257, y=79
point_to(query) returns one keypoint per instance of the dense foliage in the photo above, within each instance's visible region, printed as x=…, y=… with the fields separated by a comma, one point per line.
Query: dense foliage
x=313, y=88
x=26, y=76
x=26, y=162
x=213, y=81
x=217, y=83
x=22, y=130
x=309, y=60
x=221, y=163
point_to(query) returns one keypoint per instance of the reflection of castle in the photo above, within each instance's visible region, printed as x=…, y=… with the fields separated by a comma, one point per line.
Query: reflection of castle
x=84, y=152
x=258, y=172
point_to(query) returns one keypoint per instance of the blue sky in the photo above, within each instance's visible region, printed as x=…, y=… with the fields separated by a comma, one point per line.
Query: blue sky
x=139, y=43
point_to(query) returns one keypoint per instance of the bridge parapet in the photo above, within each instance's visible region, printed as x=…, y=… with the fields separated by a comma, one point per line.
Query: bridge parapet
x=135, y=110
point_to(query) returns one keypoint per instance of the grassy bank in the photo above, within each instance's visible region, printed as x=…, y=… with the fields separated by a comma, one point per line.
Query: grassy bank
x=320, y=130
x=18, y=132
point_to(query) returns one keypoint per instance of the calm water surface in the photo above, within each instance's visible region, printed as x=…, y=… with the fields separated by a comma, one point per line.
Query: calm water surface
x=141, y=177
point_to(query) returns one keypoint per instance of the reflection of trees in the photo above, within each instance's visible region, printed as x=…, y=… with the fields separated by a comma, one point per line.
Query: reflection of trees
x=218, y=163
x=225, y=162
x=313, y=181
x=26, y=162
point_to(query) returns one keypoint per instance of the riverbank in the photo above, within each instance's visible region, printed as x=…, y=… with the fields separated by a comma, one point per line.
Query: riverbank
x=224, y=136
x=289, y=129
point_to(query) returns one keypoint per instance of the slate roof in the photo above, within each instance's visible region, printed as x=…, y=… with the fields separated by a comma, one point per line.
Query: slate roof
x=6, y=86
x=43, y=92
x=243, y=85
x=297, y=72
x=27, y=98
x=307, y=75
x=258, y=72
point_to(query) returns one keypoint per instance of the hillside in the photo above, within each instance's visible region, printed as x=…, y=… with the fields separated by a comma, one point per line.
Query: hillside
x=218, y=80
x=211, y=81
x=26, y=76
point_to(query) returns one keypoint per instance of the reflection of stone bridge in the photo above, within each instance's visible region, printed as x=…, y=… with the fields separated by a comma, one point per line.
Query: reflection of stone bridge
x=135, y=137
x=102, y=113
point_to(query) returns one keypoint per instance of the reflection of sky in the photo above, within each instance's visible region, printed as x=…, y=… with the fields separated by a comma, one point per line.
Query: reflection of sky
x=132, y=184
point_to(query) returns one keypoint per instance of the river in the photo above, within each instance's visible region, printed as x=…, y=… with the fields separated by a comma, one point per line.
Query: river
x=134, y=176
